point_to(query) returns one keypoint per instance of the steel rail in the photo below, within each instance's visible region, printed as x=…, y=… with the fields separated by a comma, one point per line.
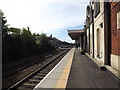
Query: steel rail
x=18, y=84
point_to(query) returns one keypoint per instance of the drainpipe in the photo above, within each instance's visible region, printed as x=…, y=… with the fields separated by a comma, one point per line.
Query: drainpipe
x=85, y=39
x=89, y=40
x=93, y=31
x=1, y=27
x=82, y=42
x=107, y=32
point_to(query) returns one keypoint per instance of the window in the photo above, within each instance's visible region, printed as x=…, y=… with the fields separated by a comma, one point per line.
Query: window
x=98, y=43
x=91, y=18
x=92, y=1
x=96, y=8
x=118, y=20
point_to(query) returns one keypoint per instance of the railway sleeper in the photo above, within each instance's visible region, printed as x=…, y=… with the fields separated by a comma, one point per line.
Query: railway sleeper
x=36, y=81
x=38, y=77
x=51, y=66
x=23, y=88
x=28, y=85
x=41, y=74
x=47, y=70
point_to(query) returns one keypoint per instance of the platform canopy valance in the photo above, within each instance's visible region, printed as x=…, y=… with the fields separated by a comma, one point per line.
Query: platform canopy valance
x=75, y=34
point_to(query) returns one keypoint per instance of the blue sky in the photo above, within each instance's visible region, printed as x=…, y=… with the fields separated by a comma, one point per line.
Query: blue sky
x=63, y=34
x=49, y=16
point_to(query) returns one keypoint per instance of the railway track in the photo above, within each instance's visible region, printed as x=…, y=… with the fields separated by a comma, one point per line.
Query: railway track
x=29, y=82
x=15, y=68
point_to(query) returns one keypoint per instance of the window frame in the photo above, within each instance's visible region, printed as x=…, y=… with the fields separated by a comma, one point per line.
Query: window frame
x=118, y=20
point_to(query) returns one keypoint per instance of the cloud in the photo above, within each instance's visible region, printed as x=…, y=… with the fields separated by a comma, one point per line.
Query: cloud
x=62, y=33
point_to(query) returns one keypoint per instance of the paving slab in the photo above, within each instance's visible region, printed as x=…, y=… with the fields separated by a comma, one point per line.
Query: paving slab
x=85, y=74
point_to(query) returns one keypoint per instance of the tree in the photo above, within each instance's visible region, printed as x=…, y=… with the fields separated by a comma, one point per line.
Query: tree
x=1, y=15
x=4, y=24
x=13, y=30
x=51, y=36
x=43, y=42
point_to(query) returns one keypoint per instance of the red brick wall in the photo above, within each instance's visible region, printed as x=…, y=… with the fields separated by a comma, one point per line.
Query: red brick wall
x=115, y=34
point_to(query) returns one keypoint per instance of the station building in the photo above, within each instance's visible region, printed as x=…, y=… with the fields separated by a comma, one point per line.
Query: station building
x=100, y=37
x=95, y=30
x=103, y=31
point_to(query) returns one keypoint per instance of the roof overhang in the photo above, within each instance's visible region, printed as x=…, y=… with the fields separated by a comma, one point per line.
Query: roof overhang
x=75, y=34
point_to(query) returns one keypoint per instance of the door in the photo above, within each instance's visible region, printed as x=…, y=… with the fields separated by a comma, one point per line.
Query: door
x=98, y=43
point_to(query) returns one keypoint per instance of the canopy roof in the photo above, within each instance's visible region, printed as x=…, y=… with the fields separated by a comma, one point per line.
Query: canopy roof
x=75, y=34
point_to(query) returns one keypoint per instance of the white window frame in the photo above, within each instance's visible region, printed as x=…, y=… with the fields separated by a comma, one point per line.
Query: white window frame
x=118, y=20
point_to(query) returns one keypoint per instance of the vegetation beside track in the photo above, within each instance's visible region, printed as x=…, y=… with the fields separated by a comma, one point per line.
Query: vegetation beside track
x=19, y=43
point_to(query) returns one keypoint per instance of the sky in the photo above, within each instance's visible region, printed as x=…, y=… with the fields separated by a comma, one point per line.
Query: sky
x=48, y=16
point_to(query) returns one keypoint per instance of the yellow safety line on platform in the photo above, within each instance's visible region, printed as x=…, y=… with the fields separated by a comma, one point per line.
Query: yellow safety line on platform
x=65, y=73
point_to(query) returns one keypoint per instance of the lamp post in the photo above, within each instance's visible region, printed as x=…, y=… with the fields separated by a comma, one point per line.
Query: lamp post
x=1, y=27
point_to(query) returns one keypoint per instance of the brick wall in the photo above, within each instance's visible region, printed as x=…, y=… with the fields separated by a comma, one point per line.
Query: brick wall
x=115, y=34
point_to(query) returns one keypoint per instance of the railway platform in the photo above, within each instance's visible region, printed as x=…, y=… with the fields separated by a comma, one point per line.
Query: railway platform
x=78, y=71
